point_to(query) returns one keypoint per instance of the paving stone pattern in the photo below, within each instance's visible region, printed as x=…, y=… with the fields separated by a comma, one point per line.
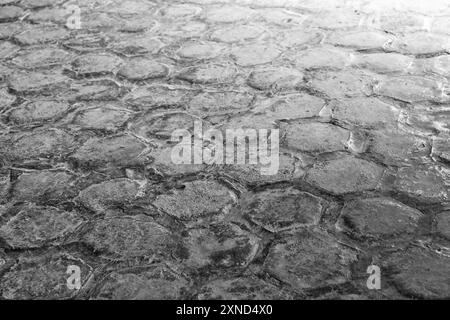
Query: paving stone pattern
x=358, y=88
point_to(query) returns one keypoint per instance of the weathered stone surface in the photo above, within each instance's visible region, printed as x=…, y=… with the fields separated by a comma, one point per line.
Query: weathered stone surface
x=8, y=30
x=41, y=34
x=121, y=150
x=162, y=163
x=411, y=89
x=323, y=57
x=242, y=288
x=105, y=118
x=255, y=54
x=103, y=89
x=96, y=64
x=427, y=183
x=156, y=96
x=178, y=11
x=48, y=143
x=439, y=65
x=131, y=46
x=421, y=274
x=210, y=73
x=142, y=69
x=44, y=186
x=345, y=175
x=394, y=147
x=366, y=40
x=199, y=50
x=100, y=197
x=424, y=43
x=343, y=84
x=441, y=148
x=275, y=79
x=299, y=37
x=201, y=198
x=217, y=103
x=38, y=111
x=384, y=62
x=6, y=99
x=43, y=277
x=10, y=13
x=129, y=237
x=7, y=49
x=44, y=57
x=443, y=224
x=34, y=226
x=380, y=218
x=229, y=13
x=282, y=209
x=39, y=3
x=237, y=33
x=220, y=245
x=316, y=137
x=294, y=261
x=290, y=106
x=34, y=82
x=157, y=282
x=282, y=17
x=368, y=112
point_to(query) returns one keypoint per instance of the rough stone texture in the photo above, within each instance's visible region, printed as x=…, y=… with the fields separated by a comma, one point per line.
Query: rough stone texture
x=358, y=89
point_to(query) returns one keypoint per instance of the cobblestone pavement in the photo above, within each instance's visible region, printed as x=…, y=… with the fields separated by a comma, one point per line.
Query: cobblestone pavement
x=359, y=90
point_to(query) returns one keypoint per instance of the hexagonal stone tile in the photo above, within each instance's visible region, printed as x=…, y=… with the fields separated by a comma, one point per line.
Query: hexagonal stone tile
x=395, y=147
x=336, y=18
x=367, y=112
x=255, y=54
x=142, y=69
x=411, y=89
x=229, y=13
x=282, y=209
x=426, y=183
x=237, y=33
x=295, y=260
x=156, y=96
x=345, y=175
x=96, y=64
x=157, y=282
x=380, y=218
x=316, y=137
x=241, y=288
x=343, y=84
x=129, y=237
x=8, y=30
x=48, y=15
x=282, y=17
x=121, y=150
x=43, y=277
x=99, y=197
x=200, y=198
x=323, y=57
x=105, y=117
x=38, y=111
x=35, y=226
x=178, y=11
x=101, y=90
x=300, y=37
x=443, y=224
x=44, y=186
x=384, y=62
x=219, y=103
x=419, y=273
x=199, y=50
x=40, y=3
x=137, y=45
x=220, y=245
x=290, y=106
x=162, y=162
x=47, y=143
x=35, y=82
x=10, y=13
x=41, y=34
x=365, y=40
x=7, y=49
x=439, y=65
x=441, y=148
x=208, y=73
x=6, y=99
x=42, y=57
x=420, y=43
x=275, y=79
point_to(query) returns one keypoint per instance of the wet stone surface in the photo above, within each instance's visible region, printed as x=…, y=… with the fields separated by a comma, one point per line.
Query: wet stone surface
x=357, y=89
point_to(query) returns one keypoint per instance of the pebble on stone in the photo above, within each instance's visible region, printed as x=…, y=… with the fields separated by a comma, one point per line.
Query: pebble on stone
x=380, y=218
x=197, y=199
x=121, y=150
x=345, y=175
x=275, y=79
x=34, y=226
x=157, y=282
x=220, y=245
x=279, y=210
x=295, y=260
x=138, y=69
x=105, y=195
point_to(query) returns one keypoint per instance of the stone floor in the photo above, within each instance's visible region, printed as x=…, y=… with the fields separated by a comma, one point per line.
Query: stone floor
x=358, y=88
